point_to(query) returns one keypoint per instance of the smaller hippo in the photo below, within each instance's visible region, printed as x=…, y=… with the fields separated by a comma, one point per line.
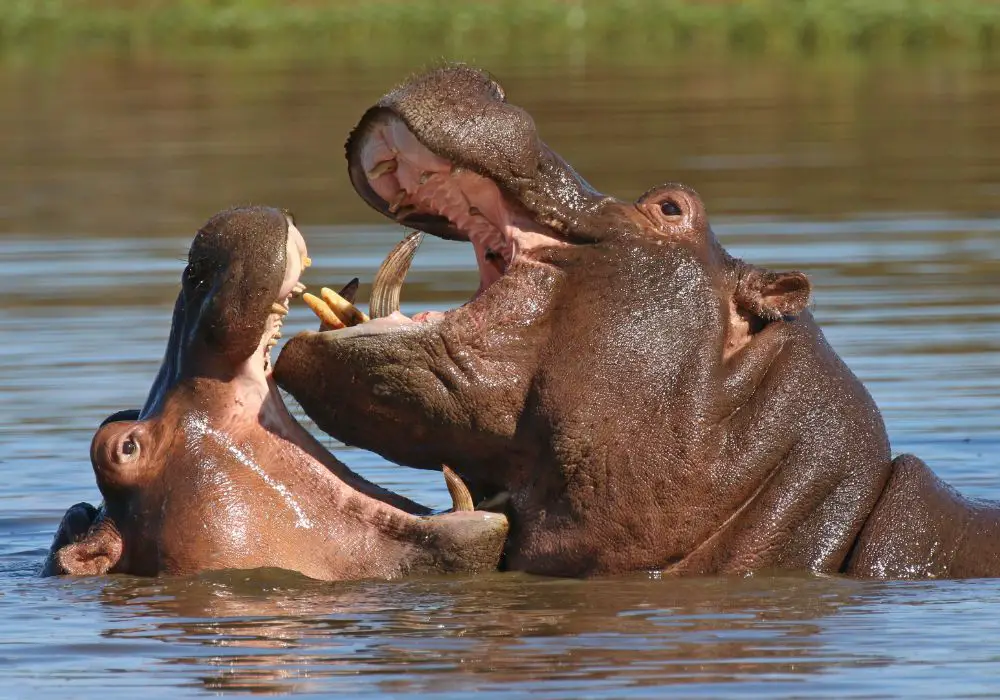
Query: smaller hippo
x=215, y=473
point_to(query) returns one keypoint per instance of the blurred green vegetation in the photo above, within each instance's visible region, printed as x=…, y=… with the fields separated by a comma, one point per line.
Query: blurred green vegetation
x=529, y=29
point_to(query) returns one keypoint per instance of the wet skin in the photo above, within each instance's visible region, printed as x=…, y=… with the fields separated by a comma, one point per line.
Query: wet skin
x=636, y=397
x=214, y=473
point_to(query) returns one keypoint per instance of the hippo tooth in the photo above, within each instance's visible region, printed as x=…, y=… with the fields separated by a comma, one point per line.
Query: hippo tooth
x=424, y=177
x=396, y=201
x=345, y=310
x=350, y=290
x=272, y=342
x=389, y=278
x=380, y=169
x=461, y=499
x=306, y=261
x=298, y=289
x=278, y=308
x=276, y=335
x=328, y=319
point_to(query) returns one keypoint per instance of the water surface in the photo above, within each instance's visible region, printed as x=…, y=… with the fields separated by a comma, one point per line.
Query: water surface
x=880, y=180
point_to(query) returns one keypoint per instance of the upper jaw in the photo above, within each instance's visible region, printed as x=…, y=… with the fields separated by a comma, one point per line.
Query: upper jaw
x=457, y=116
x=405, y=180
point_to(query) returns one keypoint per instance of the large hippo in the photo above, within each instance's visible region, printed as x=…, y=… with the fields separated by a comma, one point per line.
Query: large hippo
x=214, y=472
x=641, y=399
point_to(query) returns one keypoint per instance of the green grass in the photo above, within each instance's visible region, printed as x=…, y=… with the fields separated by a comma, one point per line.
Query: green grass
x=513, y=28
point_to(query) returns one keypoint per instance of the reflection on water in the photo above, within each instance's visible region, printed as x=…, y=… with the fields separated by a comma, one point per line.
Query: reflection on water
x=273, y=632
x=881, y=181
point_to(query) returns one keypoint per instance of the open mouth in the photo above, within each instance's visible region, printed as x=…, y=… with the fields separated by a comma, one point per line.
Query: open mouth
x=275, y=319
x=405, y=180
x=336, y=311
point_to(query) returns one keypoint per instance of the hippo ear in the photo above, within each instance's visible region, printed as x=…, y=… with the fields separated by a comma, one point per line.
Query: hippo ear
x=772, y=295
x=94, y=555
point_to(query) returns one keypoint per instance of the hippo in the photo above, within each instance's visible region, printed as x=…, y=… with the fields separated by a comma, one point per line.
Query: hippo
x=630, y=394
x=214, y=472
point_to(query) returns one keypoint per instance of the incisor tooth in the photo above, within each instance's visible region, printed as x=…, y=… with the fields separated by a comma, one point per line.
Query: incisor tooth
x=298, y=289
x=328, y=319
x=272, y=342
x=345, y=310
x=461, y=499
x=278, y=308
x=380, y=169
x=396, y=201
x=306, y=261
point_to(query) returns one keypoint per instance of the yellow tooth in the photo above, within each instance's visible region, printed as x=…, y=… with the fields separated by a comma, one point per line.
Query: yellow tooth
x=278, y=308
x=461, y=499
x=345, y=310
x=328, y=319
x=298, y=289
x=386, y=166
x=272, y=342
x=276, y=335
x=396, y=201
x=306, y=261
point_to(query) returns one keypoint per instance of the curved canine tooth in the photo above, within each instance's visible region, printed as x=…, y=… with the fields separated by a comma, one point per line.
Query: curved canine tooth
x=278, y=308
x=345, y=310
x=380, y=169
x=461, y=499
x=397, y=200
x=390, y=276
x=350, y=290
x=328, y=319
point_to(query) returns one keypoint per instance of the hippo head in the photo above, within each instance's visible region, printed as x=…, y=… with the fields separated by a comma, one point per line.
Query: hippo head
x=216, y=473
x=643, y=399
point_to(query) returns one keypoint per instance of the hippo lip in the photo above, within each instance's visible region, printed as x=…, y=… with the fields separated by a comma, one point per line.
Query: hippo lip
x=401, y=177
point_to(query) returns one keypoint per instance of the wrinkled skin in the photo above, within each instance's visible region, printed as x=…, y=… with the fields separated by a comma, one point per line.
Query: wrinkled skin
x=646, y=400
x=214, y=473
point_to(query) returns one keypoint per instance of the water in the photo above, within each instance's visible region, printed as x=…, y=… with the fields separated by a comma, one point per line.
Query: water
x=880, y=180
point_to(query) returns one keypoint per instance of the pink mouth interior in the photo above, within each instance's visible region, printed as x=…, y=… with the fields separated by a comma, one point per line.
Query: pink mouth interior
x=412, y=179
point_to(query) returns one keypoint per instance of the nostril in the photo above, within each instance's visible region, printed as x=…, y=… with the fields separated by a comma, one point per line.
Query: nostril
x=670, y=208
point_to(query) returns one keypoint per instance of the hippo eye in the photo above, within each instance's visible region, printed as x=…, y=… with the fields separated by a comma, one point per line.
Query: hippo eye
x=130, y=447
x=670, y=208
